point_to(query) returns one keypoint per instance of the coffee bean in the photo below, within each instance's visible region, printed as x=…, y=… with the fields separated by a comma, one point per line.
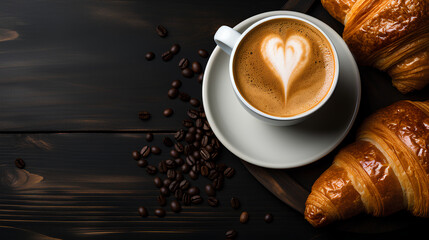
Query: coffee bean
x=196, y=67
x=158, y=182
x=162, y=167
x=197, y=167
x=143, y=211
x=210, y=190
x=229, y=172
x=175, y=206
x=188, y=149
x=206, y=126
x=151, y=169
x=145, y=151
x=189, y=138
x=231, y=234
x=204, y=142
x=162, y=201
x=196, y=145
x=218, y=183
x=192, y=130
x=193, y=191
x=167, y=56
x=268, y=218
x=183, y=63
x=171, y=174
x=179, y=147
x=175, y=49
x=19, y=163
x=193, y=114
x=197, y=199
x=235, y=203
x=159, y=212
x=179, y=135
x=178, y=194
x=179, y=176
x=187, y=72
x=179, y=161
x=209, y=148
x=205, y=155
x=176, y=84
x=184, y=184
x=142, y=163
x=174, y=153
x=170, y=163
x=161, y=31
x=167, y=182
x=155, y=150
x=204, y=171
x=164, y=191
x=199, y=123
x=173, y=93
x=203, y=53
x=136, y=155
x=193, y=175
x=186, y=199
x=144, y=115
x=150, y=56
x=200, y=78
x=168, y=112
x=174, y=185
x=212, y=201
x=196, y=154
x=214, y=155
x=210, y=165
x=194, y=102
x=185, y=168
x=149, y=137
x=244, y=217
x=167, y=142
x=184, y=97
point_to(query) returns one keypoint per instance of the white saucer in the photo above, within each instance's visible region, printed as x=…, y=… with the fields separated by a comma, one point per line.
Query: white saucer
x=281, y=147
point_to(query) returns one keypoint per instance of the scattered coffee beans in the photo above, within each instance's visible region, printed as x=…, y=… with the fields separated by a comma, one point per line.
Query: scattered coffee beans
x=167, y=56
x=173, y=93
x=175, y=49
x=268, y=218
x=158, y=182
x=144, y=115
x=196, y=67
x=19, y=163
x=187, y=72
x=143, y=211
x=136, y=155
x=175, y=206
x=150, y=56
x=244, y=217
x=142, y=163
x=235, y=203
x=149, y=137
x=183, y=63
x=161, y=31
x=203, y=53
x=176, y=84
x=159, y=212
x=168, y=112
x=212, y=201
x=155, y=150
x=231, y=234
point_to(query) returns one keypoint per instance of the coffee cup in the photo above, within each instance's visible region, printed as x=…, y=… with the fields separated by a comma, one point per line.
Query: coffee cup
x=282, y=68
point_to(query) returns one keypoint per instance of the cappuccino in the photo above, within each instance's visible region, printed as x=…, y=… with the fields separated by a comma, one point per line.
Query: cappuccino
x=284, y=67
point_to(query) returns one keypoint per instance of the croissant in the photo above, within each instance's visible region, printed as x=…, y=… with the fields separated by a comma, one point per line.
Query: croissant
x=391, y=35
x=384, y=171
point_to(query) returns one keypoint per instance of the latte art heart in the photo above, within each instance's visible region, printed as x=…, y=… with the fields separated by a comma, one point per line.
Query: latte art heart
x=285, y=57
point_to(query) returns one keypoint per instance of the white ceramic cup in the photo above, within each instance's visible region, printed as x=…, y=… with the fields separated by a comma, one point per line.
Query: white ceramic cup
x=228, y=39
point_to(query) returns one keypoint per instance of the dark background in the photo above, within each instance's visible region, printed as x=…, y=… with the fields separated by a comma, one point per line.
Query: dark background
x=73, y=78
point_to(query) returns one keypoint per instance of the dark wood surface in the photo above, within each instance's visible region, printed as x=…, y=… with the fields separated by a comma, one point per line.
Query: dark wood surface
x=72, y=80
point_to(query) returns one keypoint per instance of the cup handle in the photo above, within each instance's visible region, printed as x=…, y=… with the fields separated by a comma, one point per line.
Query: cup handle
x=226, y=38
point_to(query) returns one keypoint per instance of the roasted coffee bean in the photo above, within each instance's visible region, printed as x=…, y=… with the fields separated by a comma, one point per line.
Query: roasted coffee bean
x=189, y=138
x=229, y=172
x=164, y=191
x=158, y=182
x=185, y=168
x=213, y=174
x=196, y=67
x=143, y=211
x=193, y=175
x=174, y=185
x=136, y=155
x=196, y=144
x=167, y=142
x=162, y=167
x=203, y=53
x=214, y=155
x=170, y=163
x=199, y=123
x=174, y=153
x=210, y=190
x=235, y=203
x=184, y=97
x=171, y=174
x=204, y=142
x=19, y=163
x=173, y=93
x=210, y=164
x=149, y=56
x=145, y=151
x=149, y=137
x=196, y=155
x=142, y=163
x=175, y=49
x=195, y=102
x=212, y=201
x=162, y=201
x=197, y=167
x=175, y=206
x=192, y=130
x=231, y=234
x=193, y=114
x=209, y=148
x=204, y=171
x=184, y=184
x=178, y=194
x=166, y=182
x=186, y=199
x=205, y=155
x=179, y=176
x=155, y=150
x=179, y=161
x=244, y=217
x=188, y=149
x=183, y=63
x=161, y=31
x=200, y=78
x=218, y=183
x=268, y=218
x=193, y=191
x=176, y=84
x=197, y=199
x=187, y=72
x=179, y=135
x=168, y=112
x=151, y=169
x=206, y=126
x=167, y=56
x=159, y=212
x=144, y=115
x=179, y=147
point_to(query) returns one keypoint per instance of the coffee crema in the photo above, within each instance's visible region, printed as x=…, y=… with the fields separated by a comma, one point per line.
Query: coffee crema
x=284, y=67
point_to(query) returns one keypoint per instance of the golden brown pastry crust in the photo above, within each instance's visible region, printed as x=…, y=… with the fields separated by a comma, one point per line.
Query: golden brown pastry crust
x=384, y=171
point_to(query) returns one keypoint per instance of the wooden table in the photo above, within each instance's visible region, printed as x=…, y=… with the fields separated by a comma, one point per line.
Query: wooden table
x=73, y=78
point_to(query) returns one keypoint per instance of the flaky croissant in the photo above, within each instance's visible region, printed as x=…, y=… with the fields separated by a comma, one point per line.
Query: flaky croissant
x=391, y=35
x=384, y=171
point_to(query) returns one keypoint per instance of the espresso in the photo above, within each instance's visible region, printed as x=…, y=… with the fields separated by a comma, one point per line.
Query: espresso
x=284, y=67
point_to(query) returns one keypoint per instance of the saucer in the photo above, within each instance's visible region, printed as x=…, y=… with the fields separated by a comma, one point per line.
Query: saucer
x=281, y=147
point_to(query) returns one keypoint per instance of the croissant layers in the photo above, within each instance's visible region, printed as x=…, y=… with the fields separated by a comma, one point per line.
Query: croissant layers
x=384, y=171
x=391, y=35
